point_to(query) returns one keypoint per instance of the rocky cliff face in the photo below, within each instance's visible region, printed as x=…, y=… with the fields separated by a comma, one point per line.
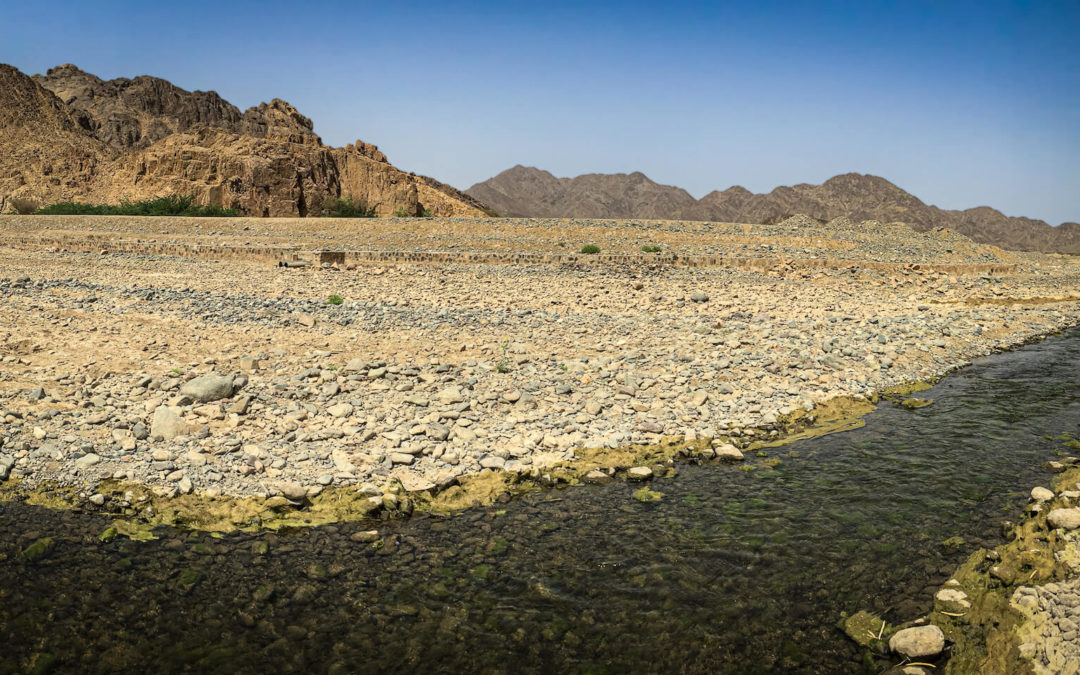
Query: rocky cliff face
x=526, y=191
x=69, y=135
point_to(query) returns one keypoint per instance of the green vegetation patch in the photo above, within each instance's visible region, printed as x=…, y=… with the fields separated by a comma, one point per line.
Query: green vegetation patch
x=175, y=205
x=590, y=249
x=347, y=208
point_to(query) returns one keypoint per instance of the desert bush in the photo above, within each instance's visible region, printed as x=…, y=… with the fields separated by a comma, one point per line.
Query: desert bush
x=175, y=205
x=650, y=249
x=590, y=249
x=335, y=300
x=348, y=208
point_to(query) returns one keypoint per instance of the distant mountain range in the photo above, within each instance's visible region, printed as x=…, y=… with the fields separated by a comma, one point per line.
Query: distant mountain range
x=68, y=135
x=530, y=192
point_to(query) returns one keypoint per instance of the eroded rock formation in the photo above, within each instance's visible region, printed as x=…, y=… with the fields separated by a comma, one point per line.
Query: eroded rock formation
x=69, y=135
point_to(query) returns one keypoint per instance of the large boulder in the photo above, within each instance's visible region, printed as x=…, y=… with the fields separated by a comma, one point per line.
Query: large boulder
x=206, y=388
x=918, y=643
x=1066, y=519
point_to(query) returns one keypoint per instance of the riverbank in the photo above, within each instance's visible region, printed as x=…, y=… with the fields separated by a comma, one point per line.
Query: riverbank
x=202, y=379
x=727, y=571
x=1014, y=608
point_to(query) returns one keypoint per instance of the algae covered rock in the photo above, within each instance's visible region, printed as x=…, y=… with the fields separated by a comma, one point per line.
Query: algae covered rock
x=864, y=627
x=952, y=600
x=37, y=550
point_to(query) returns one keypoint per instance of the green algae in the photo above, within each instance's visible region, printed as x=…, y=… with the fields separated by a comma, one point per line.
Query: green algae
x=915, y=403
x=865, y=629
x=647, y=496
x=39, y=549
x=988, y=635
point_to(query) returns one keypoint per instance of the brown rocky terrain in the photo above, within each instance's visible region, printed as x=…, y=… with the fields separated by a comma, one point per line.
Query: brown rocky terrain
x=71, y=136
x=530, y=192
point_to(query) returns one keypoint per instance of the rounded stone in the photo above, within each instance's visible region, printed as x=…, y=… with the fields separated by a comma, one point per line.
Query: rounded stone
x=1041, y=494
x=1066, y=519
x=919, y=642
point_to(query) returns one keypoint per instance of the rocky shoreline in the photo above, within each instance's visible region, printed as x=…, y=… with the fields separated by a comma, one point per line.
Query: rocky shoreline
x=1012, y=609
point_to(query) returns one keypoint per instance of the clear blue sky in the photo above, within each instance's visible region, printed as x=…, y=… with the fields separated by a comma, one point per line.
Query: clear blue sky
x=962, y=104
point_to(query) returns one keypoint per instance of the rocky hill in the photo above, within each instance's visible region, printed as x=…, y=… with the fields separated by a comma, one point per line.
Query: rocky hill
x=69, y=135
x=530, y=192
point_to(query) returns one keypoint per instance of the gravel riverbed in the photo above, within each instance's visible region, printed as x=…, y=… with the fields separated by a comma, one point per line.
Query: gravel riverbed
x=241, y=378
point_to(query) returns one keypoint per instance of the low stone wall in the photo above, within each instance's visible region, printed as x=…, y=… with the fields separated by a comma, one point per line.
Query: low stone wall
x=276, y=253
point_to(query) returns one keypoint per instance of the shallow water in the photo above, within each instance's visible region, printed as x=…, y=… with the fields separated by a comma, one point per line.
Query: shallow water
x=732, y=571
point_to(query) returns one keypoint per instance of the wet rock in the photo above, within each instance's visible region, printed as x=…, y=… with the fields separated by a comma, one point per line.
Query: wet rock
x=639, y=473
x=597, y=477
x=952, y=600
x=729, y=453
x=207, y=388
x=918, y=643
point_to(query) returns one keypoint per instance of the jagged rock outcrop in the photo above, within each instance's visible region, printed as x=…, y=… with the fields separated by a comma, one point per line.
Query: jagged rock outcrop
x=134, y=113
x=527, y=191
x=44, y=153
x=69, y=135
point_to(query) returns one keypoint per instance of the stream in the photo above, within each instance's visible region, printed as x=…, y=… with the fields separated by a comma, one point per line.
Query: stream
x=733, y=571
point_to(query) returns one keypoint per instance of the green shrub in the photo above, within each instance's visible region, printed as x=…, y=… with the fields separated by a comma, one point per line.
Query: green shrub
x=650, y=249
x=335, y=300
x=428, y=213
x=402, y=212
x=590, y=249
x=347, y=208
x=174, y=205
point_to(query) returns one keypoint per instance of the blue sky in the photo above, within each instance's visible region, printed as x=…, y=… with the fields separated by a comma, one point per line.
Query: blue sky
x=962, y=104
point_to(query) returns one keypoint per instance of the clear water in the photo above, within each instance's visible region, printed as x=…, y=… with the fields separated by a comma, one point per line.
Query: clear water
x=731, y=572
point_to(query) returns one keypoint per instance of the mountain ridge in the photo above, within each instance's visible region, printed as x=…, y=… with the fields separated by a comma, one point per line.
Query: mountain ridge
x=69, y=135
x=531, y=192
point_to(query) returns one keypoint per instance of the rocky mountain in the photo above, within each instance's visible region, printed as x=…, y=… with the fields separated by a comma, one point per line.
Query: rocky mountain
x=527, y=191
x=69, y=135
